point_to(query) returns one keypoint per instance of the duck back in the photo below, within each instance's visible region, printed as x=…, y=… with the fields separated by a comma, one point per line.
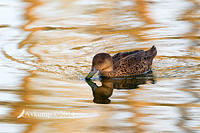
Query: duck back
x=134, y=62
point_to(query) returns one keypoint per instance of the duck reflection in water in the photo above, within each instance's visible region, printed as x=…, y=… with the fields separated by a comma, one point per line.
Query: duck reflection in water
x=102, y=93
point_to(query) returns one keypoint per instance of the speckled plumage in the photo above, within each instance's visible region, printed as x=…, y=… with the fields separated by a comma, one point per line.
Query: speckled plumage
x=125, y=63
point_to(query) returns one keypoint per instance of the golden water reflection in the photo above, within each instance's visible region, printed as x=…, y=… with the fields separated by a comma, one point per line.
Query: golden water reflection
x=46, y=54
x=102, y=93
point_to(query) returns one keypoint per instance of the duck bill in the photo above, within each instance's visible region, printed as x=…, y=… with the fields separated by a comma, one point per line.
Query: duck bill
x=91, y=74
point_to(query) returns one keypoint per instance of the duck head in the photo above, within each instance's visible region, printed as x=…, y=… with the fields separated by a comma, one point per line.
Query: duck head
x=101, y=62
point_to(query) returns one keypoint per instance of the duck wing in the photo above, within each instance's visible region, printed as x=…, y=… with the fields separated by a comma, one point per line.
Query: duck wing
x=121, y=55
x=136, y=63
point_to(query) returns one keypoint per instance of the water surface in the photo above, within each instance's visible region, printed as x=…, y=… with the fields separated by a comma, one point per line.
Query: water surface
x=46, y=51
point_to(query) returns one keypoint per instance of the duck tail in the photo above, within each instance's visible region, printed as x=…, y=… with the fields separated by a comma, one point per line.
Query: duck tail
x=152, y=52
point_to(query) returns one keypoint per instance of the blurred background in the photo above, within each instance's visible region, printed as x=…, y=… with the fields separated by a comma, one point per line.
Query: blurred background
x=46, y=51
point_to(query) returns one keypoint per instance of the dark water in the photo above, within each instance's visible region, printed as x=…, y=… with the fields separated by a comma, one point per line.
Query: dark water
x=46, y=51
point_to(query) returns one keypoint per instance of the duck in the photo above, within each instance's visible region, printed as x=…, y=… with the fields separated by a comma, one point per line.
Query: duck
x=122, y=64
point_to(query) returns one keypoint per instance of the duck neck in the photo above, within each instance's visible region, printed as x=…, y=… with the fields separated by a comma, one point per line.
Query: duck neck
x=109, y=69
x=110, y=73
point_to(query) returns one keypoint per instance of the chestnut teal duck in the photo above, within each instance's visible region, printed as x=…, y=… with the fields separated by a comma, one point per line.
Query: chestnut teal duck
x=122, y=64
